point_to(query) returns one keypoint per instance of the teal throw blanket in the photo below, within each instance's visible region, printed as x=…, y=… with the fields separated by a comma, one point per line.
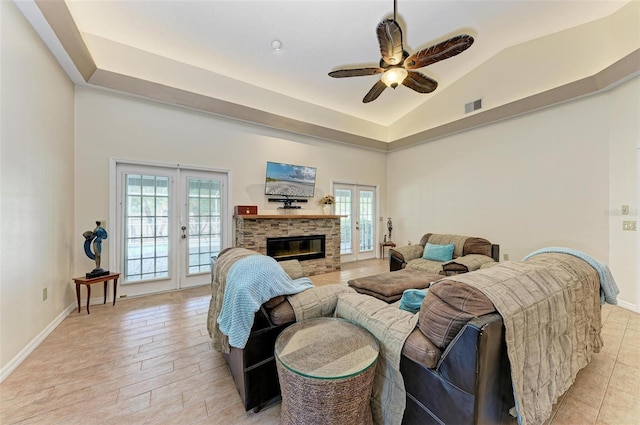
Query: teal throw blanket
x=252, y=281
x=412, y=300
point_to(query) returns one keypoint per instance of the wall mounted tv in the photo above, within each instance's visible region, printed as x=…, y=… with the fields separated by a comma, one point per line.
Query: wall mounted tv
x=290, y=180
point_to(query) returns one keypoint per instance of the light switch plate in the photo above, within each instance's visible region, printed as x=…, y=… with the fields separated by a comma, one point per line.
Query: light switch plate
x=629, y=225
x=625, y=210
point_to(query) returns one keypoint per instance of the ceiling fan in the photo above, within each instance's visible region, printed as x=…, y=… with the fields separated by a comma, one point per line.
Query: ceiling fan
x=396, y=64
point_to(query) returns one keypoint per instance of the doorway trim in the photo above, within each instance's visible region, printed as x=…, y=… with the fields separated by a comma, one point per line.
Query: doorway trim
x=637, y=216
x=376, y=219
x=113, y=200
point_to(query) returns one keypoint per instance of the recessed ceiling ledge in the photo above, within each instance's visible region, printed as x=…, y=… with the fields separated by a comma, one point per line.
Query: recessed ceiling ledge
x=61, y=22
x=175, y=96
x=623, y=69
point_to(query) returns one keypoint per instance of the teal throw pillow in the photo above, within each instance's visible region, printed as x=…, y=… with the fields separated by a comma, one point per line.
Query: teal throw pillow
x=438, y=252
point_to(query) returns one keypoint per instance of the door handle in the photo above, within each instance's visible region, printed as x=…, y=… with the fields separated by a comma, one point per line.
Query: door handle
x=184, y=233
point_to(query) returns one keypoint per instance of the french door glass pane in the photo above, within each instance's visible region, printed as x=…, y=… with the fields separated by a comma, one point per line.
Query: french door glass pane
x=146, y=232
x=366, y=220
x=343, y=207
x=205, y=210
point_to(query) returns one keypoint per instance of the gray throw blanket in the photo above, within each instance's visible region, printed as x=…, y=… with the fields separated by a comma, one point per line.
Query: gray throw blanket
x=218, y=284
x=319, y=301
x=391, y=327
x=551, y=312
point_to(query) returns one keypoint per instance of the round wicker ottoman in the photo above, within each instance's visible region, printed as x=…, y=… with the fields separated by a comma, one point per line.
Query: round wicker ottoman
x=326, y=368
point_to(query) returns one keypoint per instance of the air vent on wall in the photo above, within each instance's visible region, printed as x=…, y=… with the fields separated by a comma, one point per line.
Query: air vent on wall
x=473, y=106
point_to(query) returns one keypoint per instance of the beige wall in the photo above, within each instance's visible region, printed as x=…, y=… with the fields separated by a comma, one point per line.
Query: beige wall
x=624, y=183
x=546, y=63
x=110, y=125
x=37, y=235
x=550, y=178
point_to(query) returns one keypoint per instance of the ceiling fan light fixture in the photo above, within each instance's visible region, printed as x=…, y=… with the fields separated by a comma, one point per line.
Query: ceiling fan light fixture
x=397, y=66
x=394, y=76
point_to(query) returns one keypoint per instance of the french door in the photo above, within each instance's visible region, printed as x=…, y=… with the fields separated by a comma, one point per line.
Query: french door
x=170, y=221
x=358, y=228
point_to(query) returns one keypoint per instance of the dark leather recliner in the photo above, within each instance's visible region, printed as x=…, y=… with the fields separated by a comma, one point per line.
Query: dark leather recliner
x=471, y=383
x=400, y=257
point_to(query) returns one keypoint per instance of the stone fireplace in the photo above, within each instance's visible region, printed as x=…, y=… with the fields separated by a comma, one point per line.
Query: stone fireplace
x=253, y=231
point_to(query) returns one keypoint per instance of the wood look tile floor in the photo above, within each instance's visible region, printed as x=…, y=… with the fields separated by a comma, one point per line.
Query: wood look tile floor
x=149, y=360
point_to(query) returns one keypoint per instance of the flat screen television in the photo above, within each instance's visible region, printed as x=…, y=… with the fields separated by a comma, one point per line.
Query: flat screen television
x=290, y=180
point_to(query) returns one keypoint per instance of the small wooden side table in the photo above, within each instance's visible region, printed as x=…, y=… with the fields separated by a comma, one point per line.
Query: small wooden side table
x=88, y=282
x=383, y=244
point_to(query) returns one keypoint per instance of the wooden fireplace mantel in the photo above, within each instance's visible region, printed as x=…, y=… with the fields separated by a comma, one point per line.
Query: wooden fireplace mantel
x=287, y=216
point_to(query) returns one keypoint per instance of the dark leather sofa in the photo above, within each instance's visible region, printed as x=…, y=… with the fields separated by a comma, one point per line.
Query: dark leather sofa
x=466, y=383
x=454, y=363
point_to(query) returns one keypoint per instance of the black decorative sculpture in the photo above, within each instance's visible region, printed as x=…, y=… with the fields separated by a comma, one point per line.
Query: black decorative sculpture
x=94, y=238
x=389, y=227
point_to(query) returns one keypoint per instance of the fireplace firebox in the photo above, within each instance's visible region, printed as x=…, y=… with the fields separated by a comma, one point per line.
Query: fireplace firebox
x=296, y=247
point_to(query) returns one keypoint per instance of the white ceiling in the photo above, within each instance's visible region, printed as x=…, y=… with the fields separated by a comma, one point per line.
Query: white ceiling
x=234, y=39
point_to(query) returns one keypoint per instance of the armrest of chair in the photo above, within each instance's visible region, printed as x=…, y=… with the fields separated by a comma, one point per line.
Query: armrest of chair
x=395, y=263
x=470, y=384
x=466, y=263
x=465, y=356
x=398, y=257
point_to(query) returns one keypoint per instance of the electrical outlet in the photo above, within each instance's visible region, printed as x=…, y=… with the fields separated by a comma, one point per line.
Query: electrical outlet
x=629, y=225
x=506, y=257
x=625, y=210
x=44, y=294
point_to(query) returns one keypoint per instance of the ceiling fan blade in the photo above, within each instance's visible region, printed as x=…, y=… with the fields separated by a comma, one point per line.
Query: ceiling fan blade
x=375, y=91
x=390, y=40
x=356, y=72
x=438, y=52
x=419, y=82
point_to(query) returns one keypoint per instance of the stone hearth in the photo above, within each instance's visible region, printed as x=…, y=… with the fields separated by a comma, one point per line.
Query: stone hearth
x=252, y=231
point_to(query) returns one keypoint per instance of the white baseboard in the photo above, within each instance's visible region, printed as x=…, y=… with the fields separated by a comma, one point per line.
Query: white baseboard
x=33, y=344
x=628, y=306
